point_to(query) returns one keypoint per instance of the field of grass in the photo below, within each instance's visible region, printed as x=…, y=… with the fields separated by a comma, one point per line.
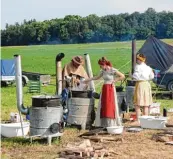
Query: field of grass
x=42, y=59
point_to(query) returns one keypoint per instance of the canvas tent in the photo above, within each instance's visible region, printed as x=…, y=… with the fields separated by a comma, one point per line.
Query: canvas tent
x=159, y=54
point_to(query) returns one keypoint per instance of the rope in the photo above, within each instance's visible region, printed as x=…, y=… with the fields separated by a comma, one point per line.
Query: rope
x=124, y=65
x=96, y=85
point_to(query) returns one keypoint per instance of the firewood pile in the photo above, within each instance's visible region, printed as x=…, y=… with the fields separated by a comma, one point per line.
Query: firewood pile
x=85, y=150
x=166, y=136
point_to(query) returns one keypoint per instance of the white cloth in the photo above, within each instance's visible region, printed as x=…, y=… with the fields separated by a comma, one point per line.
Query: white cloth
x=142, y=72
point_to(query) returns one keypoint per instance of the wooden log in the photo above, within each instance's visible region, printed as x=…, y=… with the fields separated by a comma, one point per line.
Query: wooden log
x=66, y=156
x=92, y=154
x=101, y=138
x=113, y=152
x=168, y=131
x=94, y=132
x=69, y=150
x=79, y=151
x=85, y=143
x=71, y=156
x=169, y=143
x=103, y=154
x=163, y=137
x=98, y=147
x=169, y=125
x=62, y=154
x=95, y=155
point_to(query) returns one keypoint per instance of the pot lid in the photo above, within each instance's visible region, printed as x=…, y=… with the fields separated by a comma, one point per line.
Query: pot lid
x=46, y=97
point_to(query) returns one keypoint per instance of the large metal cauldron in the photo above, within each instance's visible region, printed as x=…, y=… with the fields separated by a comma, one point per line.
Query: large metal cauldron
x=46, y=115
x=80, y=94
x=46, y=101
x=81, y=111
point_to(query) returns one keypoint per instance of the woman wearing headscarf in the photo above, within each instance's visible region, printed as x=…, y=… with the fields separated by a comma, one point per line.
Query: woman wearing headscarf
x=106, y=112
x=143, y=95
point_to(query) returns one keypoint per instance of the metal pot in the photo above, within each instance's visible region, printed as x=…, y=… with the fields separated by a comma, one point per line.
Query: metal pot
x=46, y=101
x=130, y=83
x=119, y=88
x=80, y=94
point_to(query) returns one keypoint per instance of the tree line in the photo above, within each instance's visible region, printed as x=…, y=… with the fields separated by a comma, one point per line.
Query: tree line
x=92, y=28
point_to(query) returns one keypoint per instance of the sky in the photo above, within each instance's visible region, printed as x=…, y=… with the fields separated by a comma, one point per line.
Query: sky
x=17, y=10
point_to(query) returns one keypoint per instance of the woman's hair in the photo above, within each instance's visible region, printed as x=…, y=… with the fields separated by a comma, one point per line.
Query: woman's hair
x=141, y=57
x=104, y=61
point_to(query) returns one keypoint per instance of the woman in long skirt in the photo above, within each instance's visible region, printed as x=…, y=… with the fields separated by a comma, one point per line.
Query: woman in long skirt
x=106, y=112
x=143, y=95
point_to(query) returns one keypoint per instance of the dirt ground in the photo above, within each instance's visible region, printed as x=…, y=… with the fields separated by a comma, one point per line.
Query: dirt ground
x=133, y=146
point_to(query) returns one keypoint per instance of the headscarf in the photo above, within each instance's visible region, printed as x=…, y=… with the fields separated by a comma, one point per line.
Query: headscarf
x=103, y=61
x=141, y=57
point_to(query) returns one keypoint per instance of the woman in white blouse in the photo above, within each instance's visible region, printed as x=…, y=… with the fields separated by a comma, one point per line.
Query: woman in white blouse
x=143, y=95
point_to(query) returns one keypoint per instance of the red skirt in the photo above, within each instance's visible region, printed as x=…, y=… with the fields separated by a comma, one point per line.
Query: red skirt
x=107, y=102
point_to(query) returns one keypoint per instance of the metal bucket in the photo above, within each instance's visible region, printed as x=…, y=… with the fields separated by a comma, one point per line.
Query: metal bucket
x=45, y=120
x=81, y=111
x=120, y=97
x=129, y=96
x=119, y=88
x=130, y=83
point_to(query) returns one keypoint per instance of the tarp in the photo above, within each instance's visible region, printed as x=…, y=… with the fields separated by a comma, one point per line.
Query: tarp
x=7, y=68
x=159, y=54
x=170, y=70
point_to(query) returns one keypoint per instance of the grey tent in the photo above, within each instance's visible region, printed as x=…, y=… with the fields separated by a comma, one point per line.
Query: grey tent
x=159, y=54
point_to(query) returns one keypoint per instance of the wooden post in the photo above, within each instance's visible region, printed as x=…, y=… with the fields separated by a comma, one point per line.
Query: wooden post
x=133, y=54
